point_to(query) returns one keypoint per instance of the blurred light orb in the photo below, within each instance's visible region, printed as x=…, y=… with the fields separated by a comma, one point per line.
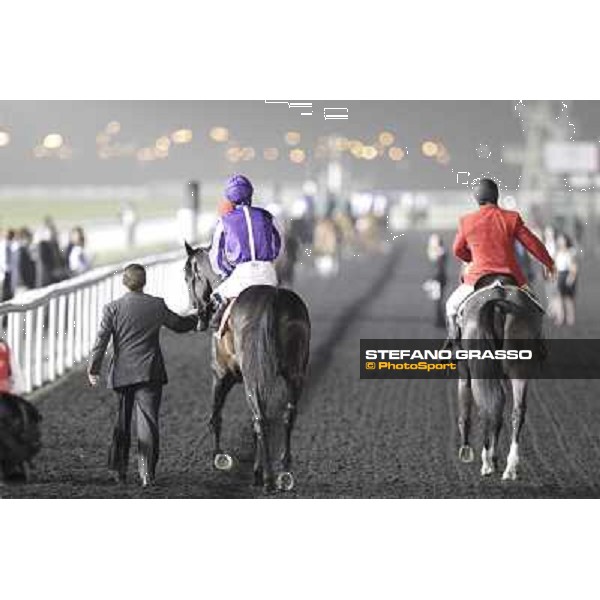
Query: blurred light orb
x=292, y=138
x=342, y=144
x=233, y=154
x=182, y=136
x=443, y=156
x=297, y=156
x=145, y=154
x=4, y=138
x=369, y=152
x=396, y=153
x=386, y=138
x=113, y=128
x=248, y=153
x=53, y=141
x=102, y=139
x=271, y=154
x=163, y=144
x=429, y=148
x=219, y=134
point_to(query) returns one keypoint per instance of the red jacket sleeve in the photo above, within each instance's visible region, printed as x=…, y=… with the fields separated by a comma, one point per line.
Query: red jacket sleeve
x=532, y=243
x=460, y=246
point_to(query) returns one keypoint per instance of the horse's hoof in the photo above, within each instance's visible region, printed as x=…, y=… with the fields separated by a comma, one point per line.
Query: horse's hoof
x=223, y=462
x=466, y=454
x=486, y=469
x=509, y=475
x=285, y=481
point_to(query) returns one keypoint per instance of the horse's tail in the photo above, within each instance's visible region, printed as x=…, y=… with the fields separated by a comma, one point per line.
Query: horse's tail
x=259, y=352
x=489, y=373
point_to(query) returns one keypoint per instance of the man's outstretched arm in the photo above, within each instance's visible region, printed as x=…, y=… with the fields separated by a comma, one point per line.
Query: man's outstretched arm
x=533, y=245
x=178, y=323
x=102, y=339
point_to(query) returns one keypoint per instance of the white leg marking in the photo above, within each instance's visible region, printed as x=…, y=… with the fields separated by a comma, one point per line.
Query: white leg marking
x=512, y=462
x=487, y=465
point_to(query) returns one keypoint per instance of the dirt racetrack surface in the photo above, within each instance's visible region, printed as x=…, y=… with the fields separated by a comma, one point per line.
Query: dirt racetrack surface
x=353, y=438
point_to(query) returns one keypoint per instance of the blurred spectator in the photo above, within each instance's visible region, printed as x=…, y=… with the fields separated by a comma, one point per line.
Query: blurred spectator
x=327, y=247
x=24, y=270
x=552, y=298
x=285, y=265
x=129, y=221
x=51, y=267
x=566, y=265
x=438, y=257
x=77, y=259
x=7, y=263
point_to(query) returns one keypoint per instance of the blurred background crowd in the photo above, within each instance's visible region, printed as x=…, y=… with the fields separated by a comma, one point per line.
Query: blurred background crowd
x=34, y=259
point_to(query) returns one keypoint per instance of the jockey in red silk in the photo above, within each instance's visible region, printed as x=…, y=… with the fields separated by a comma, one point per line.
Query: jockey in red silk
x=485, y=241
x=245, y=243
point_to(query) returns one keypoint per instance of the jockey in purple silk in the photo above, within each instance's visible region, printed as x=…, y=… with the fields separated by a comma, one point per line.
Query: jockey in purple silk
x=245, y=243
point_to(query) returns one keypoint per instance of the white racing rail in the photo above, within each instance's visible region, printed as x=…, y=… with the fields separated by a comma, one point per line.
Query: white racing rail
x=53, y=328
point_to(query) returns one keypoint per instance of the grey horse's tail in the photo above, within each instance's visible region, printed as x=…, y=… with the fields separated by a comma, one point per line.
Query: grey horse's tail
x=489, y=372
x=260, y=350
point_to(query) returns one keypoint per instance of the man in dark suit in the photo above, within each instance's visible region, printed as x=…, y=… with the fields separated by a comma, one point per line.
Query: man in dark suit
x=137, y=371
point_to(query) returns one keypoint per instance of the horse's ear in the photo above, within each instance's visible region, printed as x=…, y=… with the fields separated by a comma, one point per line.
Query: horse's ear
x=189, y=249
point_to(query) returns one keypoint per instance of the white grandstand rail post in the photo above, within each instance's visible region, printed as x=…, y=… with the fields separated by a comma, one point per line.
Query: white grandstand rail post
x=78, y=325
x=93, y=325
x=61, y=333
x=13, y=329
x=28, y=351
x=70, y=330
x=39, y=346
x=17, y=330
x=87, y=308
x=51, y=340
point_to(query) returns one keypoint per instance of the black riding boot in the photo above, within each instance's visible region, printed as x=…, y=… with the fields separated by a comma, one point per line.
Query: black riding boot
x=219, y=304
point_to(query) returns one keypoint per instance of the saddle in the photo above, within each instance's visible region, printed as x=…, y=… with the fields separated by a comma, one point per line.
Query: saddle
x=523, y=295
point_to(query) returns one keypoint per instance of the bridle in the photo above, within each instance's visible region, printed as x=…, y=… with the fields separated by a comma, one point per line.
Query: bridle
x=200, y=304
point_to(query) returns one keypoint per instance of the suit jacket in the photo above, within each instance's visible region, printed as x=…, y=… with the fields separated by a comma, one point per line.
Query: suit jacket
x=486, y=239
x=134, y=322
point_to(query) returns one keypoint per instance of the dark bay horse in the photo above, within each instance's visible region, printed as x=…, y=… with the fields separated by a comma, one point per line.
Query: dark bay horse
x=267, y=337
x=499, y=315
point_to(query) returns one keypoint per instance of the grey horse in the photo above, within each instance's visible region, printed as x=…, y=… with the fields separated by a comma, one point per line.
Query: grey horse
x=499, y=315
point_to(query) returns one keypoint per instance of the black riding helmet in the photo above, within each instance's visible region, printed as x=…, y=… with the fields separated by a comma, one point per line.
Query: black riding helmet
x=486, y=192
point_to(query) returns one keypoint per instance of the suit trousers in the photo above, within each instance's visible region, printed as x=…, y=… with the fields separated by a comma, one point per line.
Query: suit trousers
x=145, y=397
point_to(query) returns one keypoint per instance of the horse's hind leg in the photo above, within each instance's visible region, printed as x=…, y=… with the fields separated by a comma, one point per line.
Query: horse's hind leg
x=465, y=403
x=285, y=479
x=221, y=387
x=519, y=390
x=491, y=435
x=263, y=473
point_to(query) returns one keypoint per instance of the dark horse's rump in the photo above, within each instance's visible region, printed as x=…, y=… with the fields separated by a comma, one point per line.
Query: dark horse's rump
x=271, y=333
x=19, y=435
